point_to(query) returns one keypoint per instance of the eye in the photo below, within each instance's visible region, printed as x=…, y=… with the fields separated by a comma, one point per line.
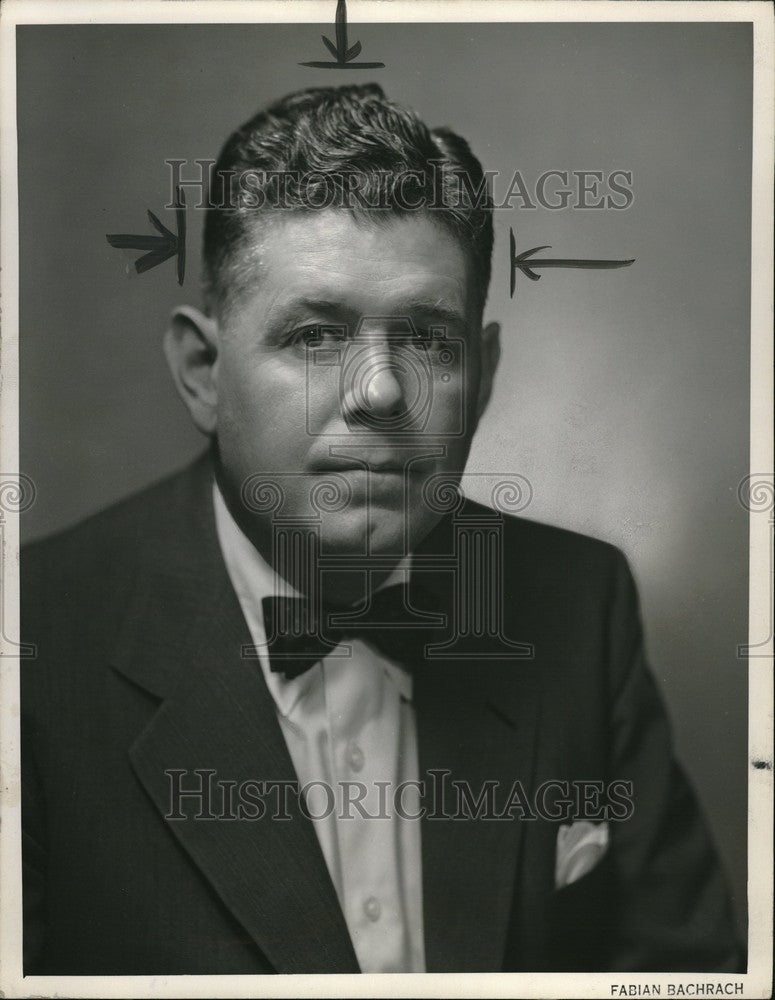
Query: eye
x=424, y=341
x=306, y=335
x=316, y=334
x=418, y=340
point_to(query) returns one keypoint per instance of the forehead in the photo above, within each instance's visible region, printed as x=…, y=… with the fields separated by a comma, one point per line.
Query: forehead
x=359, y=264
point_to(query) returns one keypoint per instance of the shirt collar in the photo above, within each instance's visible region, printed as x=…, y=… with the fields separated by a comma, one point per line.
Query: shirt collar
x=254, y=579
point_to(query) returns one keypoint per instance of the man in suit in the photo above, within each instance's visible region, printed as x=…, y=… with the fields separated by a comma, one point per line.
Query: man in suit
x=303, y=708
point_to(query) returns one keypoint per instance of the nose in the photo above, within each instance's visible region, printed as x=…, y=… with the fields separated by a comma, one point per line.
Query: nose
x=383, y=390
x=373, y=390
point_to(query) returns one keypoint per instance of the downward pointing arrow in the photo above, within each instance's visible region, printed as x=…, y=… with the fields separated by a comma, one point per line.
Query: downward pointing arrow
x=343, y=54
x=159, y=248
x=521, y=263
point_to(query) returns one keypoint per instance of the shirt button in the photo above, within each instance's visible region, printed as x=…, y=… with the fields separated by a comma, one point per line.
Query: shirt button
x=372, y=908
x=355, y=757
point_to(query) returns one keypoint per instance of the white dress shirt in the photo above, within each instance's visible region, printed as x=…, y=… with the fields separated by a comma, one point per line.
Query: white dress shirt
x=349, y=724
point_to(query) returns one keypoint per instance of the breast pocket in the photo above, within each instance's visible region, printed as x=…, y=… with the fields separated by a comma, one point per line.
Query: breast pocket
x=582, y=920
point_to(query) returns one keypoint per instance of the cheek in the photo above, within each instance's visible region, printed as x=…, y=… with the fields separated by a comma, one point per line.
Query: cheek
x=453, y=404
x=261, y=404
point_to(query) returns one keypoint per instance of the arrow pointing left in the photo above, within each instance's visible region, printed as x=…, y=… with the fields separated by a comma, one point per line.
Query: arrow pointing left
x=525, y=262
x=158, y=248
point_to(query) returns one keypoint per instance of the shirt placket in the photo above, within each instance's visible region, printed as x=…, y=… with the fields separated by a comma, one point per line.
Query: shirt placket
x=363, y=709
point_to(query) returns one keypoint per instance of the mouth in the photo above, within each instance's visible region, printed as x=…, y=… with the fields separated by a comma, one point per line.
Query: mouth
x=379, y=483
x=382, y=467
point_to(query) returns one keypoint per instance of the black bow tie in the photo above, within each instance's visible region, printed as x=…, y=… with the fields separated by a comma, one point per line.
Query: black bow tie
x=298, y=637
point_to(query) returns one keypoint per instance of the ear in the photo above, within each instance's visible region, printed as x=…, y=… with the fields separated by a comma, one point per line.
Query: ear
x=491, y=353
x=191, y=348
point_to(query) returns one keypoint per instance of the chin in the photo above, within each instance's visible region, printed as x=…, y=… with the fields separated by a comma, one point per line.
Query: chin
x=381, y=532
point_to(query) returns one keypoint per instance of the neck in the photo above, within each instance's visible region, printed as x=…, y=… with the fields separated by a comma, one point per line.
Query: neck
x=297, y=561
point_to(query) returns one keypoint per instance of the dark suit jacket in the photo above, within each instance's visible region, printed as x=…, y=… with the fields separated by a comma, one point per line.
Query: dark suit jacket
x=139, y=670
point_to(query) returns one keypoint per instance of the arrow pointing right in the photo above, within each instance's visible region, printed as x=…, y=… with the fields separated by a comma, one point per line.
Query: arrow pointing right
x=159, y=248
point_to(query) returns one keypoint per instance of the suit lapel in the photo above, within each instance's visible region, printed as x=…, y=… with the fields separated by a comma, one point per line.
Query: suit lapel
x=182, y=639
x=480, y=732
x=476, y=719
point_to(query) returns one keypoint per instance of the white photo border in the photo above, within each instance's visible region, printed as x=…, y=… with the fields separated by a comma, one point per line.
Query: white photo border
x=758, y=980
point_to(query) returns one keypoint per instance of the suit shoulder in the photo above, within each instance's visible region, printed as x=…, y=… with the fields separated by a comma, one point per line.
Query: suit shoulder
x=112, y=540
x=555, y=553
x=564, y=541
x=77, y=584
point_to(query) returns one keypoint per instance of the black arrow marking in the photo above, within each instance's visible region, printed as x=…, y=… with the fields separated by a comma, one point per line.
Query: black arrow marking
x=159, y=248
x=342, y=53
x=520, y=263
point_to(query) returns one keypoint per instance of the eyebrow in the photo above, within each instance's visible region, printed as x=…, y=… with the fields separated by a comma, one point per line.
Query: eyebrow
x=427, y=307
x=318, y=305
x=423, y=307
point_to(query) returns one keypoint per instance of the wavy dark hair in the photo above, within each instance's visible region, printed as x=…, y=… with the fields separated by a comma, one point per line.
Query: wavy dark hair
x=346, y=147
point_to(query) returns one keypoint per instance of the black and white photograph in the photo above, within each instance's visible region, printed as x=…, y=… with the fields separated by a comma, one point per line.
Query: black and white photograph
x=386, y=499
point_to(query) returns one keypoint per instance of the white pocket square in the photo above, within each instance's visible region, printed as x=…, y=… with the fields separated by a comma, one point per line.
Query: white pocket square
x=580, y=846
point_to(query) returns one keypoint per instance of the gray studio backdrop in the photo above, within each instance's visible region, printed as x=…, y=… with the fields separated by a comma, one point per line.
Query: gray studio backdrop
x=622, y=395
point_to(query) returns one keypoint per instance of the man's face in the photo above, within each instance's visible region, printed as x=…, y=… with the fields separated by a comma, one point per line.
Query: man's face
x=348, y=374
